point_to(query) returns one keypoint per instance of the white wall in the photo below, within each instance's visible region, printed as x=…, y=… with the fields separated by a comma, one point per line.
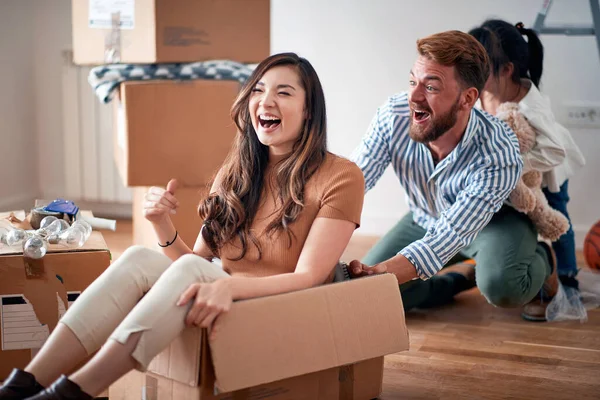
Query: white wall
x=52, y=36
x=363, y=51
x=52, y=46
x=18, y=149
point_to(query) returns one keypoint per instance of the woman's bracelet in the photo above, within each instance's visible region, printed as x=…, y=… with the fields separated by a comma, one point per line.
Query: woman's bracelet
x=169, y=243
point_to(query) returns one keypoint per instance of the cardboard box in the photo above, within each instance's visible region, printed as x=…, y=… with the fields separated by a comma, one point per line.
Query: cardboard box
x=39, y=291
x=363, y=380
x=169, y=129
x=186, y=221
x=166, y=31
x=332, y=338
x=316, y=386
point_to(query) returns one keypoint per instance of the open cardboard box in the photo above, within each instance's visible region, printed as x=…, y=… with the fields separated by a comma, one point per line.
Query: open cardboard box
x=326, y=342
x=35, y=293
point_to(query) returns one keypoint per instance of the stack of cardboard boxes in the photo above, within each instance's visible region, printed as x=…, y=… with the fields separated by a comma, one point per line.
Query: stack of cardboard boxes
x=166, y=129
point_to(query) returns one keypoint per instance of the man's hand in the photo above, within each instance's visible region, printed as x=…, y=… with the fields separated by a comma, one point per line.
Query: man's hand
x=397, y=265
x=358, y=269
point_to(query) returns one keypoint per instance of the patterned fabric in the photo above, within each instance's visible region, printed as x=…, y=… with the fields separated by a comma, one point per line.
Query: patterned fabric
x=106, y=78
x=453, y=200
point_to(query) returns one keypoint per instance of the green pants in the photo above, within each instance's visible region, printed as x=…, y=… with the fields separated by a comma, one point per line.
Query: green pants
x=511, y=266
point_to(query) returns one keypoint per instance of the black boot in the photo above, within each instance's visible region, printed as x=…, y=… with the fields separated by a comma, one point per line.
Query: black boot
x=62, y=389
x=19, y=385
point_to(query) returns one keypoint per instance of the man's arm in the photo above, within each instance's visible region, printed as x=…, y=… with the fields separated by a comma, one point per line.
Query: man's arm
x=458, y=226
x=373, y=154
x=455, y=229
x=491, y=183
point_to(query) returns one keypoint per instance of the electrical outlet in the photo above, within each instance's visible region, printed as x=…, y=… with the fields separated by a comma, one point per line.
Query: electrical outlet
x=581, y=115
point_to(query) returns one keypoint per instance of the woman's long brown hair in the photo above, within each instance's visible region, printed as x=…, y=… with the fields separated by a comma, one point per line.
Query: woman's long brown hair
x=230, y=210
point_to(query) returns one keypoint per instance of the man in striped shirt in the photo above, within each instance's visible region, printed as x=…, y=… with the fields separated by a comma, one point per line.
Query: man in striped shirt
x=458, y=166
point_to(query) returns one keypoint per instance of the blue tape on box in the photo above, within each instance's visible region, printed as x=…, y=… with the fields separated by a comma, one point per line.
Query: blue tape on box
x=63, y=206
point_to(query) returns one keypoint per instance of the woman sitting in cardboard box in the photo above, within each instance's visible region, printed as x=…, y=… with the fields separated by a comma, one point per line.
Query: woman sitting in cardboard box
x=281, y=212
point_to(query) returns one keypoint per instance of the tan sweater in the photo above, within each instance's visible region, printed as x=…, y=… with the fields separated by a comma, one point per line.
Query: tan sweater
x=336, y=190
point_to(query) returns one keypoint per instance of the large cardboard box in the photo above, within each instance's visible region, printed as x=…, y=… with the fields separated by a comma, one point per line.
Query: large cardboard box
x=323, y=342
x=165, y=31
x=186, y=221
x=34, y=294
x=169, y=129
x=321, y=385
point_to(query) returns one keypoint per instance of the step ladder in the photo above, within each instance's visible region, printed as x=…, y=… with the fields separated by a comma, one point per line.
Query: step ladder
x=594, y=30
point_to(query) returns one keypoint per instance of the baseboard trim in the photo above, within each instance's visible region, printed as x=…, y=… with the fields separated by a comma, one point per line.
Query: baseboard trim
x=19, y=202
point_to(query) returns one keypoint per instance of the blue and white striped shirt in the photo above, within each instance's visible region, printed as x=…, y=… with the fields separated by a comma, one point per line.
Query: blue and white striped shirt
x=453, y=200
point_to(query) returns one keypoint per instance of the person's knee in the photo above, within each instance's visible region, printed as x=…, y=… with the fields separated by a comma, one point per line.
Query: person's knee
x=136, y=251
x=186, y=262
x=185, y=265
x=135, y=260
x=500, y=288
x=192, y=264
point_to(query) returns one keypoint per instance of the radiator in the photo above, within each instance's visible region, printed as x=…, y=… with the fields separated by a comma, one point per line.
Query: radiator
x=90, y=172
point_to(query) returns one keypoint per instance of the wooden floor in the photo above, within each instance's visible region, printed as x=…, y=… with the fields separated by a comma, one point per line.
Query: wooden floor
x=472, y=350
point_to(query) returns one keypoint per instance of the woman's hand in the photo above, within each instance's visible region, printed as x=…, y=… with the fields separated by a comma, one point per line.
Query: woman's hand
x=209, y=301
x=160, y=203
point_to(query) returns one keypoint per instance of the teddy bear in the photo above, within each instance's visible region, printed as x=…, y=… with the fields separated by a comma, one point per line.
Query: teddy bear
x=527, y=197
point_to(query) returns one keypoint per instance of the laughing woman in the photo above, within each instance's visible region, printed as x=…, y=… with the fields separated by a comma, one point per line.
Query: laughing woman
x=281, y=212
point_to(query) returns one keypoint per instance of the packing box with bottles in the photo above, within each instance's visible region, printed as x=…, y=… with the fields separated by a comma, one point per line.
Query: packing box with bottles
x=34, y=293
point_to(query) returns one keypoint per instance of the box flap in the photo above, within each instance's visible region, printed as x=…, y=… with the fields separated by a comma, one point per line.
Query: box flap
x=317, y=328
x=181, y=360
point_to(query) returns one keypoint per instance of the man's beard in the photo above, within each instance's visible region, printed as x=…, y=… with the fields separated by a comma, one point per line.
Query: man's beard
x=437, y=126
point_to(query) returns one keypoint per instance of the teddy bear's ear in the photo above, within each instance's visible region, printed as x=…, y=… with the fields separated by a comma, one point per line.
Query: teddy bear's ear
x=507, y=111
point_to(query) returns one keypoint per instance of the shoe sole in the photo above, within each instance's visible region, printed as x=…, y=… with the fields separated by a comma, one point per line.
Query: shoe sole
x=530, y=318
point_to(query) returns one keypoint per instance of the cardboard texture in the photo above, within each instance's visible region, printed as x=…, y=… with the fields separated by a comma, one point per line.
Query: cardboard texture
x=316, y=386
x=318, y=328
x=358, y=381
x=186, y=221
x=172, y=129
x=363, y=380
x=164, y=31
x=33, y=293
x=260, y=341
